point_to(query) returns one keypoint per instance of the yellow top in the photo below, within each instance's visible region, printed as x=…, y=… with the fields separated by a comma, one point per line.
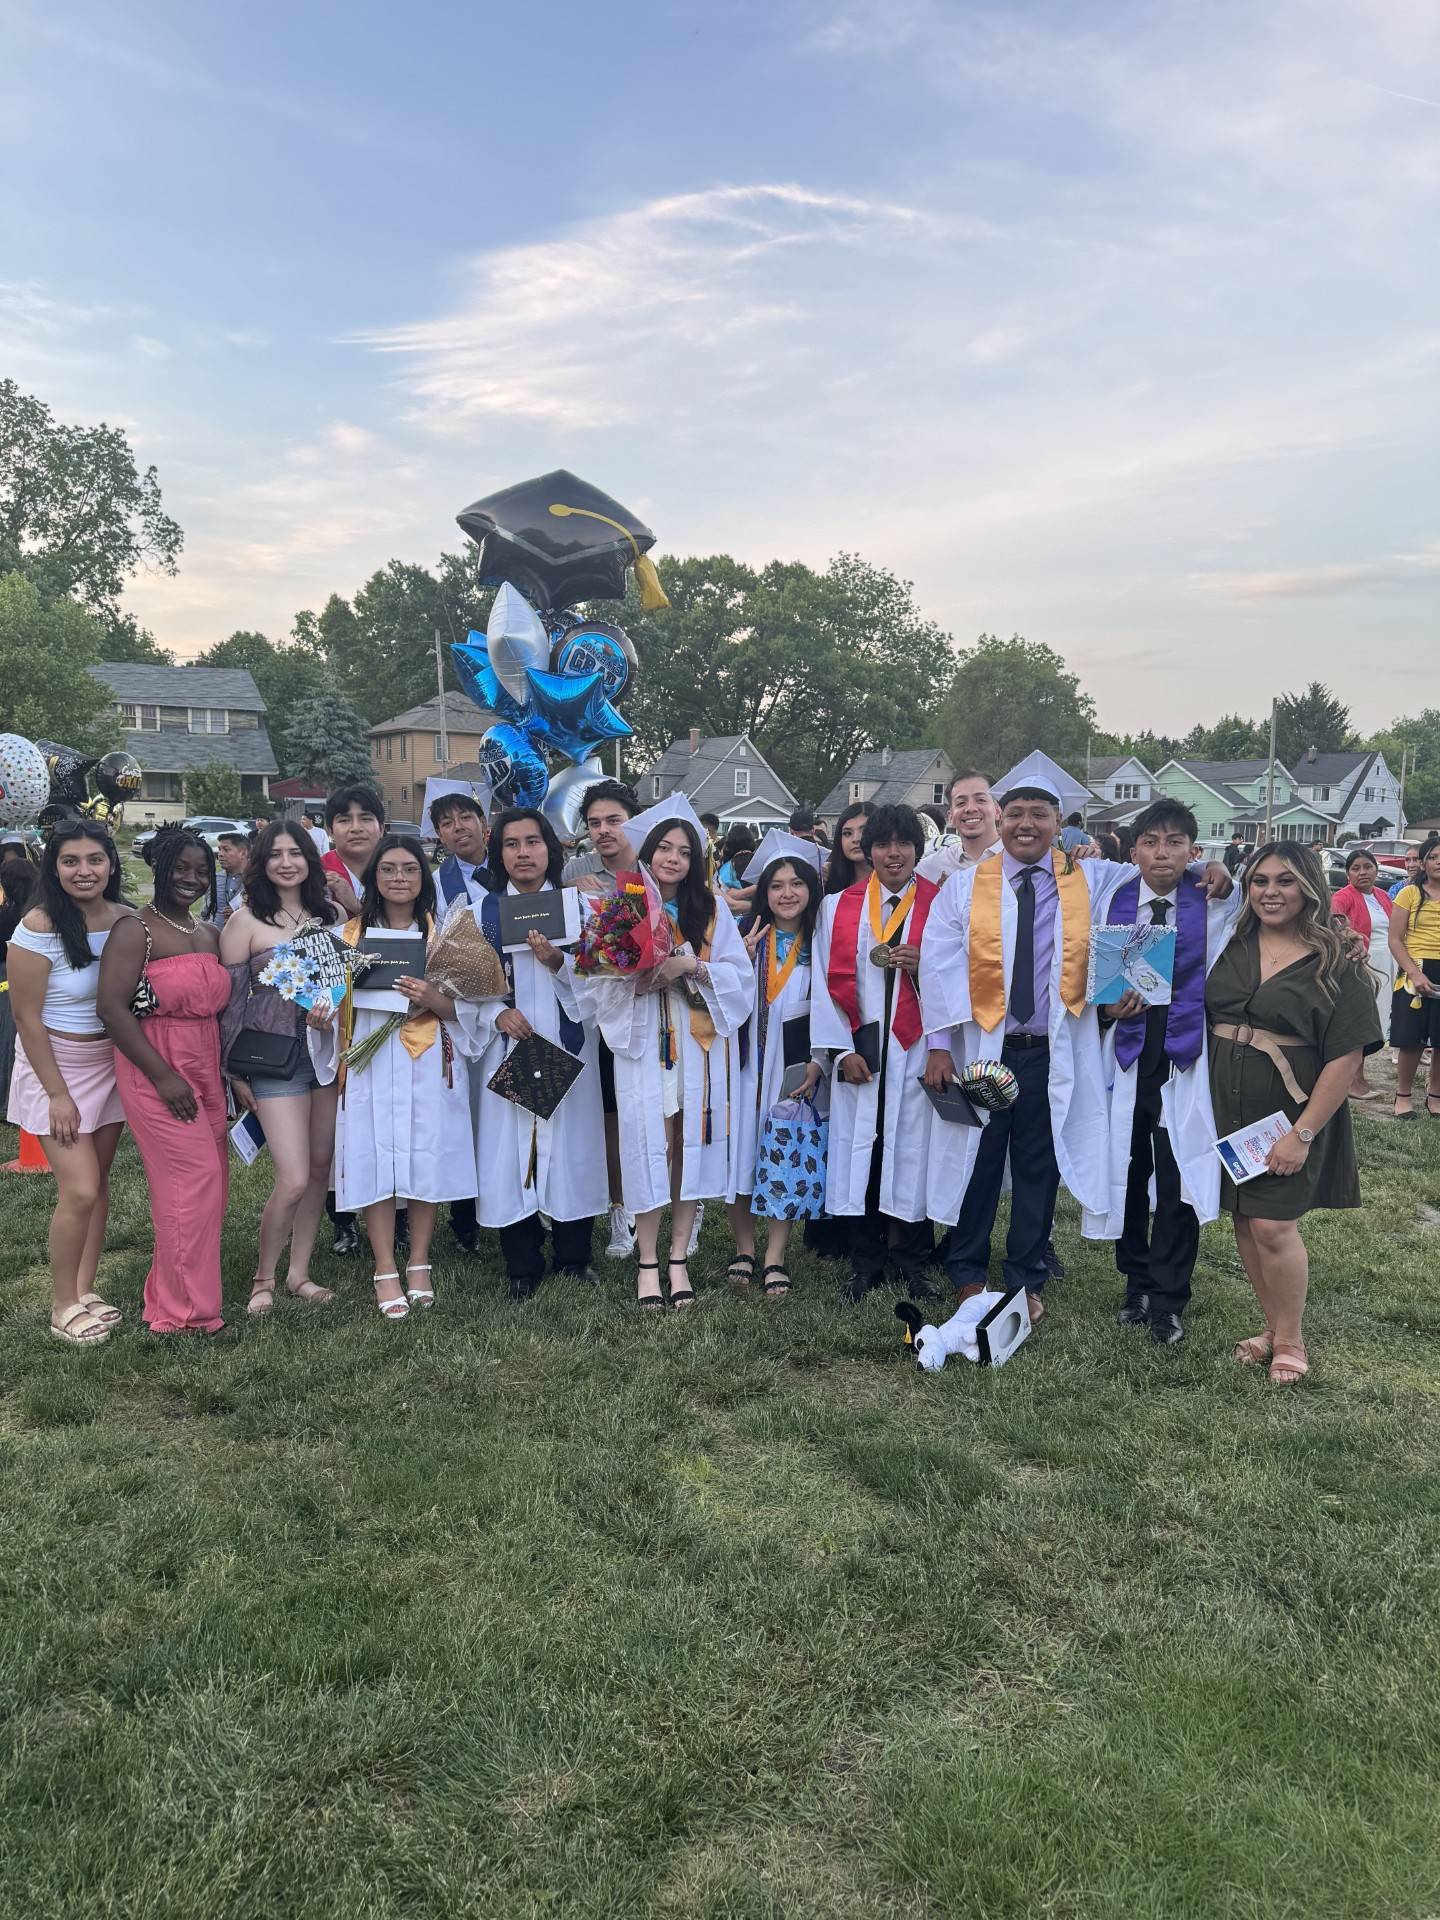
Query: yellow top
x=1422, y=928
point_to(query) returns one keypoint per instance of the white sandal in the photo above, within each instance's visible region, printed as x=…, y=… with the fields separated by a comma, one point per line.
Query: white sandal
x=419, y=1296
x=391, y=1309
x=92, y=1334
x=101, y=1310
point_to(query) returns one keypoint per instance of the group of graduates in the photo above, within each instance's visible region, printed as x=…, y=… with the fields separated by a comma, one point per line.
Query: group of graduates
x=900, y=964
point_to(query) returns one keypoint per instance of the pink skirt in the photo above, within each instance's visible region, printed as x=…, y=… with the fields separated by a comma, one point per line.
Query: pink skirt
x=88, y=1070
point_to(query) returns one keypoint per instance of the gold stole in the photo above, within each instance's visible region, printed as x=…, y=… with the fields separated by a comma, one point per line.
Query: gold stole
x=987, y=953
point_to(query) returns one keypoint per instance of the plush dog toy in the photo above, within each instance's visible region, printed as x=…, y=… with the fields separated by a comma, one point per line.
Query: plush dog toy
x=987, y=1328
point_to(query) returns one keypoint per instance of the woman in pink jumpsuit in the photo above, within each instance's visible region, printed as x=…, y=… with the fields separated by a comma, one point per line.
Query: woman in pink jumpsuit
x=167, y=1066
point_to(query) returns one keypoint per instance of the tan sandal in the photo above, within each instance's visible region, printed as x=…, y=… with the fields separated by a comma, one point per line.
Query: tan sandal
x=262, y=1297
x=310, y=1293
x=102, y=1310
x=78, y=1327
x=1289, y=1363
x=1256, y=1351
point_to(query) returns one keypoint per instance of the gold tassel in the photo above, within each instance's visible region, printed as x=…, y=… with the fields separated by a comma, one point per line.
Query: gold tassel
x=652, y=595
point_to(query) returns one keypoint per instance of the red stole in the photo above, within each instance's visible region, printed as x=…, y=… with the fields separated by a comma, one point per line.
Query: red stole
x=844, y=941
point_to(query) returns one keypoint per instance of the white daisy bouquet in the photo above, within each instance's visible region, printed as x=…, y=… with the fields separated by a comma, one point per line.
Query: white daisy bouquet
x=314, y=965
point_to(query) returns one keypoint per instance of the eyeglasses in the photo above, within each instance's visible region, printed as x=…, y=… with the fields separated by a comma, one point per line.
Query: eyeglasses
x=408, y=872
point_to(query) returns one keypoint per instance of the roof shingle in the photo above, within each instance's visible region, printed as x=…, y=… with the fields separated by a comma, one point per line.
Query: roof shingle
x=179, y=686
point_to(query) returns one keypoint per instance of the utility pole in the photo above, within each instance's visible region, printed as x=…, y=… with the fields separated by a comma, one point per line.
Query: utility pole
x=1270, y=774
x=1400, y=796
x=440, y=687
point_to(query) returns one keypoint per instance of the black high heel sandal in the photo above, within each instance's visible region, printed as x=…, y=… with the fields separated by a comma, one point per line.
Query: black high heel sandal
x=648, y=1300
x=681, y=1296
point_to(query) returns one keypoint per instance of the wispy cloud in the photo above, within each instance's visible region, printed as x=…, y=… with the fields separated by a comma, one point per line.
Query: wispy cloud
x=1394, y=571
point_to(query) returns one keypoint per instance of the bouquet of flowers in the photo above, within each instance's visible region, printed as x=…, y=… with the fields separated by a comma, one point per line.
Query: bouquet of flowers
x=314, y=965
x=627, y=933
x=461, y=961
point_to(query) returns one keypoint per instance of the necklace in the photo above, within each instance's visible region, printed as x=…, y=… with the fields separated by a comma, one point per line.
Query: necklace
x=189, y=929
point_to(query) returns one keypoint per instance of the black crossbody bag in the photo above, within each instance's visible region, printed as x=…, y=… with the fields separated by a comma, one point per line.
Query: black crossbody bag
x=265, y=1056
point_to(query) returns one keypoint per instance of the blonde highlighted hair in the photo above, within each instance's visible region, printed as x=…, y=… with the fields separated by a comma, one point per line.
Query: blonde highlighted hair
x=1315, y=927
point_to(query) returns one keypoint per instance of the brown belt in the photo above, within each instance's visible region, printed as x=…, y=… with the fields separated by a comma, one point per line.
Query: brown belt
x=1272, y=1045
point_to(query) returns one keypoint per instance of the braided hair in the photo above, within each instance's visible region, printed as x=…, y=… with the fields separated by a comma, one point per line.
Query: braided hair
x=165, y=849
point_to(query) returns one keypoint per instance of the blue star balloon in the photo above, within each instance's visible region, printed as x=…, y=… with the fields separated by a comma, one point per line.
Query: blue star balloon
x=480, y=680
x=572, y=713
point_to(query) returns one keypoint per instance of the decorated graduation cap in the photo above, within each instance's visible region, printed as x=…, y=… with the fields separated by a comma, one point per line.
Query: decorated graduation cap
x=559, y=540
x=1040, y=774
x=780, y=845
x=438, y=786
x=663, y=814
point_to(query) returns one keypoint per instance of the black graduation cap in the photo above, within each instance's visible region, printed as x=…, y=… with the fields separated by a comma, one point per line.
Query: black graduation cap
x=536, y=1075
x=559, y=540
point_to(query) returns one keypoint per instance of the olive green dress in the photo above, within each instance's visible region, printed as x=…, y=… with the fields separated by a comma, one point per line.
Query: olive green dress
x=1245, y=1087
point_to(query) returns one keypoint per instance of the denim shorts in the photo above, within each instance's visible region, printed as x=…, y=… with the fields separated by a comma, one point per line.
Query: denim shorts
x=302, y=1082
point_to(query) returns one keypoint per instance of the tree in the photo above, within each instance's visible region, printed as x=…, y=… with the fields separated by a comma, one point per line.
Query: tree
x=1231, y=738
x=77, y=517
x=1152, y=750
x=815, y=667
x=380, y=647
x=1008, y=697
x=214, y=788
x=286, y=674
x=325, y=740
x=1314, y=718
x=1421, y=734
x=45, y=692
x=127, y=640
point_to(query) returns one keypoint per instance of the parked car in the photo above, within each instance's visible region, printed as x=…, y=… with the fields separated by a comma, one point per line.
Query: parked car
x=208, y=825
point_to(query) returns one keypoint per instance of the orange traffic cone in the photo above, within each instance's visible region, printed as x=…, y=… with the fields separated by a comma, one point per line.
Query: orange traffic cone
x=32, y=1157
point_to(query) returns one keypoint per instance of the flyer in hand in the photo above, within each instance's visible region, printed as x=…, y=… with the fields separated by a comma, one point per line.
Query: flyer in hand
x=628, y=932
x=1131, y=960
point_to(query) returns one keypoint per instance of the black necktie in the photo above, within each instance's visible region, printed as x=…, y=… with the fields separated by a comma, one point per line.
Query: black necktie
x=1159, y=912
x=1157, y=1019
x=1022, y=976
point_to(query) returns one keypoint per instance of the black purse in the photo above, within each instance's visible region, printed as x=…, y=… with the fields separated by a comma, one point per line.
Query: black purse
x=265, y=1056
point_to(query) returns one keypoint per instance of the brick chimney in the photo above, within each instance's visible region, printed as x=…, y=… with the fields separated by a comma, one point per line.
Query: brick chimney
x=694, y=739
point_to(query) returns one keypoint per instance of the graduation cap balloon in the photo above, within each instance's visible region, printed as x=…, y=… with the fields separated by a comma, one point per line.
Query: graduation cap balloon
x=559, y=540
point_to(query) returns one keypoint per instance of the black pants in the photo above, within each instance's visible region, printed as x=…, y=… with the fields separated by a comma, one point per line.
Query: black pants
x=876, y=1239
x=462, y=1216
x=1023, y=1132
x=523, y=1245
x=1158, y=1259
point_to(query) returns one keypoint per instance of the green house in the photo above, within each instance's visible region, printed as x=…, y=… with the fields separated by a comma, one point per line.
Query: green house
x=1229, y=796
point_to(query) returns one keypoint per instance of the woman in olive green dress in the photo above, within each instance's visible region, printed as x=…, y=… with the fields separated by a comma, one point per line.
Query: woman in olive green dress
x=1291, y=1010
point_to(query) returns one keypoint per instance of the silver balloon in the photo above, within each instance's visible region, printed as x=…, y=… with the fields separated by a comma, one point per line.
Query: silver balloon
x=561, y=805
x=24, y=780
x=516, y=641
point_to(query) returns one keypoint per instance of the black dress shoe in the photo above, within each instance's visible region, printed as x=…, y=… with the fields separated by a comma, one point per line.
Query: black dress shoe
x=1165, y=1329
x=587, y=1276
x=522, y=1290
x=1133, y=1314
x=854, y=1290
x=1054, y=1265
x=919, y=1289
x=347, y=1241
x=466, y=1238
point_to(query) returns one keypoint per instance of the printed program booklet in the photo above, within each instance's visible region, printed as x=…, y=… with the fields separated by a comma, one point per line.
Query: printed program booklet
x=1131, y=960
x=1242, y=1153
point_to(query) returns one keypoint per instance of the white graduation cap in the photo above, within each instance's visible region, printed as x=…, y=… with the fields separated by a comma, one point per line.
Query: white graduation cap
x=1039, y=770
x=438, y=785
x=663, y=814
x=780, y=845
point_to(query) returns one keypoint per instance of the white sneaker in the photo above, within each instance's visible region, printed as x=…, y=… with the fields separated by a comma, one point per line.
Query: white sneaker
x=622, y=1234
x=695, y=1230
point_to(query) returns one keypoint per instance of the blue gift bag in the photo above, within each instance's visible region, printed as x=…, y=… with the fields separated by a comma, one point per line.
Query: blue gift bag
x=790, y=1163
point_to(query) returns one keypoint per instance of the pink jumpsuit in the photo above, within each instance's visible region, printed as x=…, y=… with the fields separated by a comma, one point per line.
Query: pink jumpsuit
x=186, y=1162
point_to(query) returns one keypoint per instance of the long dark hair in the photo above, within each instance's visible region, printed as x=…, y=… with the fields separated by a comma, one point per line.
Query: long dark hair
x=17, y=879
x=694, y=902
x=760, y=914
x=166, y=848
x=840, y=872
x=1315, y=927
x=372, y=906
x=57, y=905
x=260, y=894
x=494, y=856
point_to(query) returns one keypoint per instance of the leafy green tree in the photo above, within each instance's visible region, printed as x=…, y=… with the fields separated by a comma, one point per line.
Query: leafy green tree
x=77, y=517
x=1314, y=718
x=1152, y=750
x=45, y=692
x=127, y=640
x=380, y=646
x=1421, y=735
x=815, y=667
x=1231, y=738
x=325, y=739
x=1008, y=697
x=214, y=788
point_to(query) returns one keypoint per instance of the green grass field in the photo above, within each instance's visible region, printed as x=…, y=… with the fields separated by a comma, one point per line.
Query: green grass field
x=561, y=1610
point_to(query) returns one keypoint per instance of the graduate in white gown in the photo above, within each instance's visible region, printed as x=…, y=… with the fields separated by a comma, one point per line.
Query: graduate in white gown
x=880, y=1121
x=403, y=1129
x=674, y=1054
x=784, y=877
x=531, y=1166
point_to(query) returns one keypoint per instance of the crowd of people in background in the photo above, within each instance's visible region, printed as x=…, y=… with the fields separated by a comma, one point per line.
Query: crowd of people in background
x=795, y=1057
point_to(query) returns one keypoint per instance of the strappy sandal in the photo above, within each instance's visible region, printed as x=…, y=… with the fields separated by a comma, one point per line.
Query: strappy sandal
x=101, y=1310
x=311, y=1294
x=1409, y=1113
x=419, y=1296
x=391, y=1309
x=262, y=1297
x=649, y=1300
x=1256, y=1351
x=741, y=1269
x=1289, y=1363
x=1430, y=1108
x=680, y=1296
x=78, y=1327
x=776, y=1289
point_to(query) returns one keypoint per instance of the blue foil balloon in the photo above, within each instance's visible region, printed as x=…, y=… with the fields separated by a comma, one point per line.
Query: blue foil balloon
x=571, y=712
x=515, y=770
x=593, y=646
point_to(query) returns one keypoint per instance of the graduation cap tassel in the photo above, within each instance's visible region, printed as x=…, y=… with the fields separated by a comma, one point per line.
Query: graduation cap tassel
x=530, y=1171
x=653, y=598
x=707, y=1132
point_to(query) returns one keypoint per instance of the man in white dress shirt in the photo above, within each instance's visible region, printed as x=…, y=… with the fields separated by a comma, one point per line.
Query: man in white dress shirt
x=974, y=829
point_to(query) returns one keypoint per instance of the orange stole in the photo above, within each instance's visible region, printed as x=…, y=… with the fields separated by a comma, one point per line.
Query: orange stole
x=987, y=954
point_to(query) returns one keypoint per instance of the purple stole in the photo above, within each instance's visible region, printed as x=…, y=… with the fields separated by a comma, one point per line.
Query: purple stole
x=1185, y=1016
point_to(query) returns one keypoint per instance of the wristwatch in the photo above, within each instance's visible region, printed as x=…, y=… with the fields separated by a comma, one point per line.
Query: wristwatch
x=1305, y=1135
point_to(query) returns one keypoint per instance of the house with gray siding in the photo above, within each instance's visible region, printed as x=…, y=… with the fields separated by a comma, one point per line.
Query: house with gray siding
x=724, y=774
x=176, y=719
x=891, y=776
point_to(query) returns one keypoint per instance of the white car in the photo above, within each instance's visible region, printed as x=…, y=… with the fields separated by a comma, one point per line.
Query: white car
x=209, y=826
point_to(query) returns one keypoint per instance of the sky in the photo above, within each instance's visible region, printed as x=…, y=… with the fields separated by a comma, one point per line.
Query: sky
x=1114, y=325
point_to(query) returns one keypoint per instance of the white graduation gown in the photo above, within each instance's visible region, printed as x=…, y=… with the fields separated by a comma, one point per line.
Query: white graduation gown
x=400, y=1130
x=630, y=1023
x=1079, y=1105
x=1184, y=1104
x=854, y=1111
x=570, y=1181
x=757, y=1092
